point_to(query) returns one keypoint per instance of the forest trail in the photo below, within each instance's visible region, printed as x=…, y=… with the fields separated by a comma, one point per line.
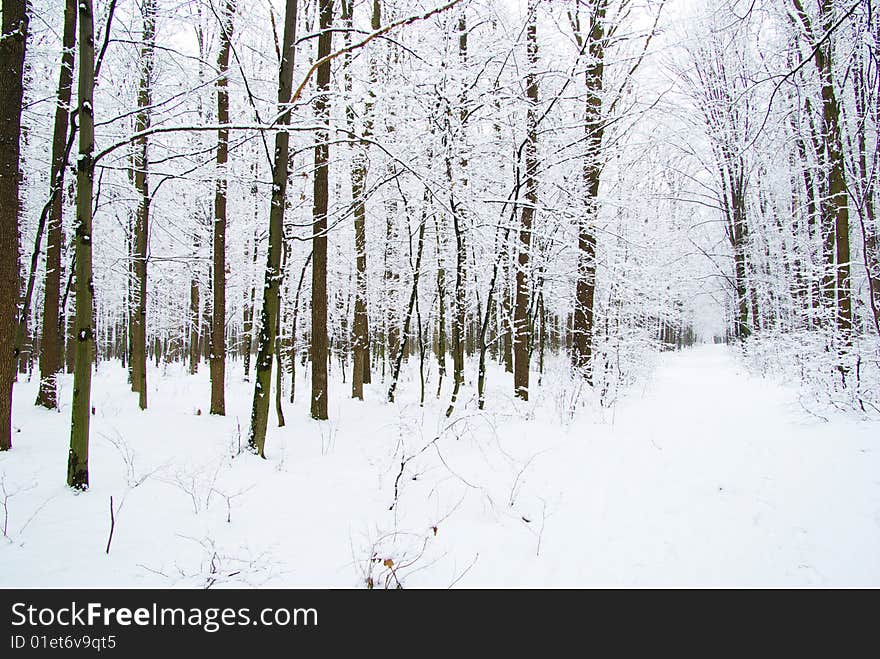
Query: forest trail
x=703, y=393
x=702, y=475
x=713, y=477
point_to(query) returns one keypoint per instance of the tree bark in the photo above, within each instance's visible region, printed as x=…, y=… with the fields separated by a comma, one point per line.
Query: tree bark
x=521, y=352
x=269, y=313
x=585, y=288
x=360, y=342
x=319, y=218
x=864, y=109
x=441, y=309
x=458, y=310
x=279, y=343
x=837, y=185
x=194, y=317
x=51, y=337
x=142, y=216
x=293, y=326
x=78, y=457
x=413, y=302
x=506, y=315
x=390, y=280
x=248, y=327
x=836, y=209
x=12, y=52
x=738, y=235
x=218, y=321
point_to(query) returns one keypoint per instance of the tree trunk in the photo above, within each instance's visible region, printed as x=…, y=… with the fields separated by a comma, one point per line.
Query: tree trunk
x=269, y=314
x=521, y=323
x=78, y=458
x=830, y=147
x=870, y=231
x=490, y=304
x=390, y=279
x=739, y=240
x=249, y=304
x=506, y=314
x=319, y=216
x=293, y=326
x=812, y=299
x=459, y=312
x=441, y=309
x=413, y=302
x=142, y=216
x=360, y=342
x=585, y=293
x=12, y=50
x=50, y=339
x=827, y=301
x=194, y=318
x=837, y=192
x=218, y=322
x=279, y=343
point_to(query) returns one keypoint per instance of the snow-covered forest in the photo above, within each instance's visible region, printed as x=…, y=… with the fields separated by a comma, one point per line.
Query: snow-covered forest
x=444, y=293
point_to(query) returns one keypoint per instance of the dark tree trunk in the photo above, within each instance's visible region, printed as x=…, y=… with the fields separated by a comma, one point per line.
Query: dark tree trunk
x=293, y=326
x=441, y=309
x=521, y=333
x=585, y=293
x=360, y=342
x=194, y=317
x=78, y=458
x=506, y=316
x=51, y=337
x=12, y=50
x=142, y=216
x=830, y=146
x=269, y=314
x=218, y=323
x=248, y=327
x=319, y=217
x=837, y=186
x=413, y=303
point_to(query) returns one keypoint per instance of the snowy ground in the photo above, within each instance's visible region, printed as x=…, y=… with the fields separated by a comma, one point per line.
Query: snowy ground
x=702, y=476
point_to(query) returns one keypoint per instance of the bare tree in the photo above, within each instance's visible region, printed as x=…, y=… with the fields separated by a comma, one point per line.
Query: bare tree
x=78, y=458
x=594, y=127
x=360, y=343
x=138, y=324
x=319, y=217
x=269, y=314
x=718, y=84
x=521, y=323
x=835, y=209
x=51, y=345
x=12, y=50
x=218, y=308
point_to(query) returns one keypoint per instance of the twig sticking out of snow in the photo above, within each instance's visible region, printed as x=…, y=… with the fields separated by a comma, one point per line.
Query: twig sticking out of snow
x=112, y=525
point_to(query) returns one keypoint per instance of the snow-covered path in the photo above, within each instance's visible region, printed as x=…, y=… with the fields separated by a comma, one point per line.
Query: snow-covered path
x=701, y=476
x=713, y=477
